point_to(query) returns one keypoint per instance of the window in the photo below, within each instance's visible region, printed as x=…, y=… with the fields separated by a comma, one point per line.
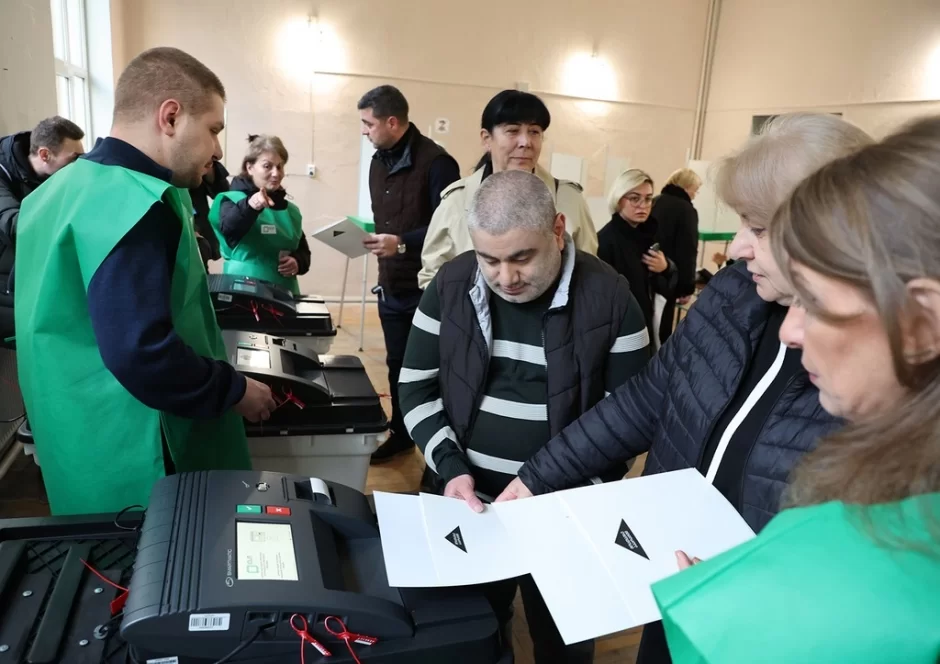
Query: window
x=71, y=61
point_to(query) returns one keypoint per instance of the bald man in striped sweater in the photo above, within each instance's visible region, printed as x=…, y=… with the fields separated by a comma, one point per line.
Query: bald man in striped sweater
x=511, y=343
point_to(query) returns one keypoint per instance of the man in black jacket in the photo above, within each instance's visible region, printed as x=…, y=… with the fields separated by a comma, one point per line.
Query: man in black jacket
x=510, y=344
x=26, y=159
x=214, y=182
x=407, y=175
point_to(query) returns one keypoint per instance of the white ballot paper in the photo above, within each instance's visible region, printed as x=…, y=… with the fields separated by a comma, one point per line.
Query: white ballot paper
x=430, y=540
x=345, y=236
x=594, y=551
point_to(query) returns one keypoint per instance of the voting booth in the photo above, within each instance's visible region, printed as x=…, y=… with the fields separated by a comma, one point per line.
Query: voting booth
x=329, y=415
x=255, y=305
x=233, y=566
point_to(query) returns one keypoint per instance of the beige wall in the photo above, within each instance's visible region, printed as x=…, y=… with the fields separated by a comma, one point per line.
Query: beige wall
x=875, y=61
x=449, y=60
x=27, y=69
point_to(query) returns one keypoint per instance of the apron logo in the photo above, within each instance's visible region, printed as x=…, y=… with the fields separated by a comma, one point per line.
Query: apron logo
x=628, y=540
x=455, y=538
x=268, y=229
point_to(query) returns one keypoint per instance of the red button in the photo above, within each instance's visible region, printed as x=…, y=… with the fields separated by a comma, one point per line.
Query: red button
x=277, y=511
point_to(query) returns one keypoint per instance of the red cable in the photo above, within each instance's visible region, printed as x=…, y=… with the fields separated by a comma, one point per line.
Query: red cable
x=103, y=577
x=306, y=637
x=349, y=637
x=118, y=602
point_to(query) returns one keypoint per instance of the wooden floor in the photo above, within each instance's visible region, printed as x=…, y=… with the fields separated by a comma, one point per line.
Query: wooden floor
x=22, y=493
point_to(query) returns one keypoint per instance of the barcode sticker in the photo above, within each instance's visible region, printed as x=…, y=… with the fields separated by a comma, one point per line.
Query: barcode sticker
x=224, y=297
x=209, y=622
x=164, y=660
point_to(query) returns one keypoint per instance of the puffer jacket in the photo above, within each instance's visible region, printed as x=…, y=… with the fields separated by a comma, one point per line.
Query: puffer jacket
x=670, y=408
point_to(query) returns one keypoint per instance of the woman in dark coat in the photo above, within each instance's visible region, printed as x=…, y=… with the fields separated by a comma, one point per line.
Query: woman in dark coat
x=678, y=232
x=630, y=242
x=723, y=395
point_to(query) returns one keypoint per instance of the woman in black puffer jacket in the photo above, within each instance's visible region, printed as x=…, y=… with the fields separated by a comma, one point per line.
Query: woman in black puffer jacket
x=723, y=395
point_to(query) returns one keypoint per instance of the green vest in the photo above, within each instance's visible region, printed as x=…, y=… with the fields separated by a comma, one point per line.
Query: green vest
x=814, y=586
x=100, y=447
x=258, y=253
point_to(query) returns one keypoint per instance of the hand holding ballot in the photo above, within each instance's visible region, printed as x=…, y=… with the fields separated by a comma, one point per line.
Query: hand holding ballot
x=462, y=487
x=516, y=490
x=382, y=245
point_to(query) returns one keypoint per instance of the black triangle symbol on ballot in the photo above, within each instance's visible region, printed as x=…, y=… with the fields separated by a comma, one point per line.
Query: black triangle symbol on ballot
x=628, y=540
x=335, y=233
x=455, y=538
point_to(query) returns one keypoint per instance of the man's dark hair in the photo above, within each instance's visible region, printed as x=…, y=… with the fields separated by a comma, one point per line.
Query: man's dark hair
x=386, y=101
x=164, y=73
x=515, y=107
x=51, y=132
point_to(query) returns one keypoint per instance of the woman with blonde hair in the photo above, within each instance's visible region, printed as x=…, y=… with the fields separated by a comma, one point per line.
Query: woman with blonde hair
x=260, y=232
x=722, y=395
x=852, y=574
x=631, y=244
x=678, y=232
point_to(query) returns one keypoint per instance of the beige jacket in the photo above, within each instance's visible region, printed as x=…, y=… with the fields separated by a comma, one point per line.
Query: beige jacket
x=448, y=236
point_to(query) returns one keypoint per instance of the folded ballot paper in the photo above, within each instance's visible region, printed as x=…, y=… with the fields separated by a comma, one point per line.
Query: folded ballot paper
x=594, y=552
x=346, y=235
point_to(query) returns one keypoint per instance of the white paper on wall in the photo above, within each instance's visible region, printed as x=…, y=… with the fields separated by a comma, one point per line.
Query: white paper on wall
x=569, y=167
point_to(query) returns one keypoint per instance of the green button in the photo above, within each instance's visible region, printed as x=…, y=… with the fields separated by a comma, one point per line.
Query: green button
x=248, y=509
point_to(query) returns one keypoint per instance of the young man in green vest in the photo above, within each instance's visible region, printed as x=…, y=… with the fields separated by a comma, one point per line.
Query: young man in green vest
x=121, y=362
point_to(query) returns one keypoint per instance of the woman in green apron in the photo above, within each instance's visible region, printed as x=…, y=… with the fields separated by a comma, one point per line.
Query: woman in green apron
x=852, y=572
x=259, y=230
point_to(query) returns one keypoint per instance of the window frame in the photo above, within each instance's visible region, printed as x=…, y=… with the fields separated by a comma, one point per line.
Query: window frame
x=66, y=68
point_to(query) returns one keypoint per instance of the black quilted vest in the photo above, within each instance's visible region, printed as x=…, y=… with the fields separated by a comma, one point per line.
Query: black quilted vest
x=401, y=202
x=577, y=340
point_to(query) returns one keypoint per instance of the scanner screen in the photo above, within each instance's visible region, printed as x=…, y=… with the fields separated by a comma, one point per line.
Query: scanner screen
x=265, y=552
x=244, y=288
x=254, y=357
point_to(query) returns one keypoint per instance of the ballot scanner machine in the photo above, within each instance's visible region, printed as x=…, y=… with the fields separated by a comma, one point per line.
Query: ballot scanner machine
x=328, y=418
x=233, y=566
x=255, y=305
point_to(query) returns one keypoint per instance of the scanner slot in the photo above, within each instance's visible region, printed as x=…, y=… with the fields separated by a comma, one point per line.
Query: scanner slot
x=296, y=364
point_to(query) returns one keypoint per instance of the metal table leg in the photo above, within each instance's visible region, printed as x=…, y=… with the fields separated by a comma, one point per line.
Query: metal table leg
x=342, y=293
x=362, y=308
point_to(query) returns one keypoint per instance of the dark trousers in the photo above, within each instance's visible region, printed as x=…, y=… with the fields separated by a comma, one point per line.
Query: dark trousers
x=653, y=647
x=6, y=322
x=396, y=312
x=548, y=646
x=665, y=323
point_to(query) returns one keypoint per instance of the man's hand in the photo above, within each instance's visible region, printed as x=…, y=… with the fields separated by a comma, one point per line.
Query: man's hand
x=257, y=404
x=684, y=300
x=462, y=487
x=514, y=491
x=682, y=558
x=382, y=245
x=288, y=267
x=260, y=200
x=655, y=261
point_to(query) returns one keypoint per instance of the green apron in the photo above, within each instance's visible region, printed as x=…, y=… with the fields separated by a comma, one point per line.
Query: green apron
x=101, y=448
x=814, y=586
x=258, y=253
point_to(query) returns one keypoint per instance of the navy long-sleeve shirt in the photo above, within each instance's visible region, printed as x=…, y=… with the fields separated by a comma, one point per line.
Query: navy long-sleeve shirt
x=129, y=305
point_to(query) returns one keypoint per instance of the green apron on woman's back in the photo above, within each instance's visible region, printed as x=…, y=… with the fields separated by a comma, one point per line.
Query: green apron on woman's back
x=818, y=585
x=101, y=448
x=257, y=254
